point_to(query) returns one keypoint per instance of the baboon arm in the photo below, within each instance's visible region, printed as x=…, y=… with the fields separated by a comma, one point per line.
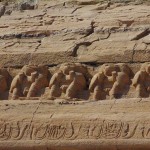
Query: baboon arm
x=52, y=81
x=14, y=84
x=136, y=79
x=93, y=83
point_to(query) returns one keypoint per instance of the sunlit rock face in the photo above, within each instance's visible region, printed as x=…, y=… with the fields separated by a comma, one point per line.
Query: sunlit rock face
x=74, y=75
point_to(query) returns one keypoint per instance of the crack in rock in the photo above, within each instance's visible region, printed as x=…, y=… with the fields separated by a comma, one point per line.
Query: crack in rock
x=141, y=35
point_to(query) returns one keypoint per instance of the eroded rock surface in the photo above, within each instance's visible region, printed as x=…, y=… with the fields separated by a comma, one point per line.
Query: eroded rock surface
x=75, y=31
x=76, y=81
x=75, y=75
x=53, y=125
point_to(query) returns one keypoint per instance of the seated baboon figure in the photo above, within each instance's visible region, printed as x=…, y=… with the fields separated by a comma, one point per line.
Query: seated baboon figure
x=66, y=78
x=7, y=76
x=41, y=80
x=77, y=85
x=5, y=81
x=102, y=82
x=29, y=81
x=16, y=86
x=110, y=81
x=141, y=81
x=55, y=85
x=122, y=83
x=3, y=84
x=76, y=67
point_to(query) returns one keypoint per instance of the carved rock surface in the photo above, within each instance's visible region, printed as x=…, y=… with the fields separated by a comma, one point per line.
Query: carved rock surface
x=27, y=5
x=2, y=10
x=76, y=81
x=75, y=31
x=79, y=73
x=75, y=125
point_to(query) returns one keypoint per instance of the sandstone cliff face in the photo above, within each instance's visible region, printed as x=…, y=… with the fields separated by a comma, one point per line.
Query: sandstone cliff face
x=80, y=73
x=88, y=32
x=75, y=31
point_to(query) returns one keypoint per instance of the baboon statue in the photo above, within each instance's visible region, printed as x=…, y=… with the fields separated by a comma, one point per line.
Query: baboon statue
x=40, y=77
x=122, y=83
x=29, y=81
x=16, y=86
x=5, y=81
x=141, y=81
x=77, y=85
x=69, y=80
x=111, y=80
x=55, y=85
x=102, y=82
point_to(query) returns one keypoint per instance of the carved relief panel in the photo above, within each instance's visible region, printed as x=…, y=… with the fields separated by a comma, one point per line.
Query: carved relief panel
x=74, y=82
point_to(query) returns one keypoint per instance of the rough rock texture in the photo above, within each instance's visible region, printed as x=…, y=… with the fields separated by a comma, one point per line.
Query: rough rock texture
x=62, y=61
x=53, y=125
x=76, y=81
x=75, y=31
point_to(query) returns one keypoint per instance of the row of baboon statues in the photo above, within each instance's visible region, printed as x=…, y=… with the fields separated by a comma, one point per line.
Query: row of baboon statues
x=73, y=81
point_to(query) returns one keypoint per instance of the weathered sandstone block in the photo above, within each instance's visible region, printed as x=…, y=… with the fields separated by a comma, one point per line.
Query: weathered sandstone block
x=75, y=75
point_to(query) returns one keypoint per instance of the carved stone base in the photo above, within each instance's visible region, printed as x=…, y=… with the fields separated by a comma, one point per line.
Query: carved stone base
x=60, y=124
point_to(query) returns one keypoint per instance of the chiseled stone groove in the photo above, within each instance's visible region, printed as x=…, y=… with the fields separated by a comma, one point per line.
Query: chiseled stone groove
x=86, y=122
